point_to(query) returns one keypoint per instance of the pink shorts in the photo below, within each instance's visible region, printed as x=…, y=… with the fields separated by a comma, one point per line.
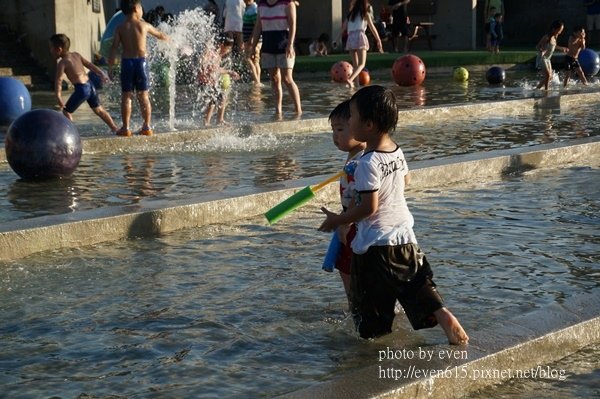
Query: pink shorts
x=357, y=40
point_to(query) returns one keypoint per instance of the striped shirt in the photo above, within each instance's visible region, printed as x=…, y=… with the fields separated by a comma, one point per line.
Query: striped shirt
x=275, y=27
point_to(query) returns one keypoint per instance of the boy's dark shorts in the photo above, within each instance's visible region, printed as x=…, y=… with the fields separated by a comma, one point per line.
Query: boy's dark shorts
x=384, y=274
x=83, y=92
x=134, y=74
x=572, y=63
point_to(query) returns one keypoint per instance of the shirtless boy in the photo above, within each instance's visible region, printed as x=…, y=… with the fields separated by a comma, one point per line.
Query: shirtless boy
x=73, y=65
x=131, y=36
x=576, y=44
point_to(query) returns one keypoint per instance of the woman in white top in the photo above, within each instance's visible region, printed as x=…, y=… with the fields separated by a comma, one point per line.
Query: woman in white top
x=357, y=43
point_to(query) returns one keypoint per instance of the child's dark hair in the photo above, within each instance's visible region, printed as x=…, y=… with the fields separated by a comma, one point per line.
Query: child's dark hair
x=341, y=111
x=556, y=25
x=60, y=40
x=323, y=38
x=378, y=105
x=578, y=28
x=358, y=7
x=127, y=6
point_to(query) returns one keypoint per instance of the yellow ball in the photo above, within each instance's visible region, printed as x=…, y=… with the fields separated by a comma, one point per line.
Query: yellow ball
x=461, y=74
x=225, y=81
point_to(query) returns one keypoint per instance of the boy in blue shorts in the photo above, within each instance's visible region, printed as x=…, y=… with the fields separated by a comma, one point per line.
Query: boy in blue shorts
x=387, y=263
x=131, y=36
x=73, y=65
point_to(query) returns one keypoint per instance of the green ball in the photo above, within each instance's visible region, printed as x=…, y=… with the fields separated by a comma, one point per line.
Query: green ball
x=225, y=81
x=461, y=74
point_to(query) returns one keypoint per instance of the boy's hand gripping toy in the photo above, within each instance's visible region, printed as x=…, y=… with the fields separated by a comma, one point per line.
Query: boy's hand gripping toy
x=297, y=200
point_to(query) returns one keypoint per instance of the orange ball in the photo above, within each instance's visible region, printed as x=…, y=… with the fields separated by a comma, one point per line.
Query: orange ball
x=364, y=78
x=408, y=70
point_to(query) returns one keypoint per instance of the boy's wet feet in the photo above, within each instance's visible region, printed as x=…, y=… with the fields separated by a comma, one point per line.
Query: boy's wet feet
x=145, y=131
x=123, y=132
x=449, y=323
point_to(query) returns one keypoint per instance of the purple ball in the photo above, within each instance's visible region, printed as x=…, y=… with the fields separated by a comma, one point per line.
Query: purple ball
x=43, y=144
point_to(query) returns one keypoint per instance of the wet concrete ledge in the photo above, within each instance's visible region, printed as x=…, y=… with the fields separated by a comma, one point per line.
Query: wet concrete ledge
x=154, y=217
x=173, y=141
x=522, y=346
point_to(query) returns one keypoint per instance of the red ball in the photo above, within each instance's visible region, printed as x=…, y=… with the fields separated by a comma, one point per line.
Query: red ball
x=408, y=70
x=341, y=71
x=364, y=78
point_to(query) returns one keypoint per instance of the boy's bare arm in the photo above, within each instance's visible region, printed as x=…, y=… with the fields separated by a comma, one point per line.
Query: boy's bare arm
x=60, y=71
x=157, y=33
x=93, y=68
x=369, y=203
x=113, y=50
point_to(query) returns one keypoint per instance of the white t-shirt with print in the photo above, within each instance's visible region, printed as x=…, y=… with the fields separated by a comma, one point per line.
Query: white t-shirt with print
x=392, y=223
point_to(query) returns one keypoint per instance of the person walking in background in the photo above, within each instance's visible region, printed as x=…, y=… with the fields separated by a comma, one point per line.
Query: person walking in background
x=253, y=60
x=233, y=14
x=400, y=23
x=576, y=44
x=496, y=33
x=277, y=24
x=131, y=36
x=545, y=48
x=358, y=44
x=592, y=9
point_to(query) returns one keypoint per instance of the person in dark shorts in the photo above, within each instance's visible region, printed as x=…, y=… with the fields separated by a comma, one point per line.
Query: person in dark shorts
x=131, y=36
x=72, y=65
x=400, y=25
x=387, y=263
x=576, y=44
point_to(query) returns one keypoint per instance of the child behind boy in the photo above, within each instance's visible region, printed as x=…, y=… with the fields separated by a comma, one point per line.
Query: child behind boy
x=344, y=141
x=131, y=35
x=387, y=262
x=73, y=65
x=576, y=44
x=214, y=77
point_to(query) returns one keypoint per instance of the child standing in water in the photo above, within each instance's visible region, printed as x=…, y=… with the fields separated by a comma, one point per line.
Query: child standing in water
x=131, y=36
x=545, y=49
x=357, y=43
x=344, y=141
x=387, y=263
x=576, y=44
x=73, y=65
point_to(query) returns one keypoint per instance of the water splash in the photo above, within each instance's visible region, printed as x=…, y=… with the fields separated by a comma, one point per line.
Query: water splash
x=191, y=34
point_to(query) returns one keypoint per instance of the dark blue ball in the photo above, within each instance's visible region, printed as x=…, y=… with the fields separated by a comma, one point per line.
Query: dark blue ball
x=495, y=75
x=589, y=60
x=14, y=100
x=43, y=144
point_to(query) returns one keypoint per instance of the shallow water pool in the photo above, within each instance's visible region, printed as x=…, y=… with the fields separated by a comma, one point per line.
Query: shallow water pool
x=244, y=310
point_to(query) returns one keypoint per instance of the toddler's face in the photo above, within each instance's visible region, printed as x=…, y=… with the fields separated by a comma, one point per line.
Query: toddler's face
x=342, y=137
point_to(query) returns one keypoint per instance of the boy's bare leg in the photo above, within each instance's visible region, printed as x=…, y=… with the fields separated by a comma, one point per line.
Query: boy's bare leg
x=209, y=113
x=449, y=323
x=275, y=75
x=126, y=98
x=293, y=90
x=105, y=116
x=221, y=113
x=581, y=76
x=145, y=107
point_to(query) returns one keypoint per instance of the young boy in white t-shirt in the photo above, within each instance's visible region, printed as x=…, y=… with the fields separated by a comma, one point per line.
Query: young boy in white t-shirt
x=387, y=263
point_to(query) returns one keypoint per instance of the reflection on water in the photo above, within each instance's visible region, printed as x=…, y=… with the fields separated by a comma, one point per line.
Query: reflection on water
x=240, y=311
